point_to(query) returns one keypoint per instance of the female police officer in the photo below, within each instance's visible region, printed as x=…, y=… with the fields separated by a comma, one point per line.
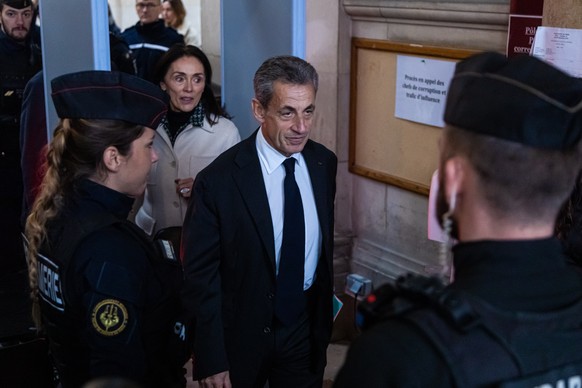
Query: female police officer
x=104, y=295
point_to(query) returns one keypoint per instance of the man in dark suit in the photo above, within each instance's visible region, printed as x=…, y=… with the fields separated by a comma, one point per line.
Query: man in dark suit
x=252, y=323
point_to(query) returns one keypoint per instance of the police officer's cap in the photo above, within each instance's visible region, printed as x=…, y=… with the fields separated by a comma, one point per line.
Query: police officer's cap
x=522, y=99
x=110, y=95
x=18, y=4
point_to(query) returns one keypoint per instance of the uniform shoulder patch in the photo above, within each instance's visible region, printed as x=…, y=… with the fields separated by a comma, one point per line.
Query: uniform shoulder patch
x=109, y=317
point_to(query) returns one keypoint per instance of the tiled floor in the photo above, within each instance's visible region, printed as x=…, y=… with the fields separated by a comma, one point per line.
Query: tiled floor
x=336, y=354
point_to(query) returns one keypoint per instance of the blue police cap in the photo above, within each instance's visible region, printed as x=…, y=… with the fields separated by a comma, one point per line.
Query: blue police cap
x=112, y=95
x=522, y=99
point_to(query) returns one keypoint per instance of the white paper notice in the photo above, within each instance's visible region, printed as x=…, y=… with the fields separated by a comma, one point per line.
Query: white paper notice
x=560, y=47
x=421, y=89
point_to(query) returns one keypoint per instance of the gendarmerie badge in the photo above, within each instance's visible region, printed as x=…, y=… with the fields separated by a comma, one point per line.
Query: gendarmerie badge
x=109, y=317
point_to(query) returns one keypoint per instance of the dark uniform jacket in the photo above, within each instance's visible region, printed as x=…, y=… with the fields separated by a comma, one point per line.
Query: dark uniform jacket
x=149, y=42
x=229, y=261
x=18, y=63
x=33, y=140
x=109, y=302
x=513, y=276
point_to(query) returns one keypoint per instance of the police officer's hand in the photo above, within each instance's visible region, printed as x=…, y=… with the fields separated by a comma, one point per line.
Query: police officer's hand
x=219, y=380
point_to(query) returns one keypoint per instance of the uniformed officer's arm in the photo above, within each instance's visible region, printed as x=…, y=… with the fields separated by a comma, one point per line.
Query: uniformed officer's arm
x=202, y=295
x=32, y=136
x=113, y=300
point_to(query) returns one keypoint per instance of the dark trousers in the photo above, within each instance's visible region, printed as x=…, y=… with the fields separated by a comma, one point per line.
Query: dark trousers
x=286, y=364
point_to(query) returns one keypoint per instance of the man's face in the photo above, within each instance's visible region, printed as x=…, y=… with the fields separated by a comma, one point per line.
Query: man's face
x=16, y=22
x=286, y=122
x=148, y=11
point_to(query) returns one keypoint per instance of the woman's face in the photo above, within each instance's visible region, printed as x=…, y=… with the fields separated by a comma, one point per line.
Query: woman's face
x=131, y=178
x=168, y=14
x=184, y=83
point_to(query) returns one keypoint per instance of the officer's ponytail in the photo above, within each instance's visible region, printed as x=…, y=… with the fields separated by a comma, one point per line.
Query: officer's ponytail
x=46, y=206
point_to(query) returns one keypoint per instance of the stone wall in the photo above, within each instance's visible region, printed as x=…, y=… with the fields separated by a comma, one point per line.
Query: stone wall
x=388, y=225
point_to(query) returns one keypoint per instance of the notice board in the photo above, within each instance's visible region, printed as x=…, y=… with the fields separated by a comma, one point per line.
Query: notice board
x=381, y=146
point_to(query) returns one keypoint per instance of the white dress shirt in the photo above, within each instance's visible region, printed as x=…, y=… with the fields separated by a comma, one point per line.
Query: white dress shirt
x=273, y=175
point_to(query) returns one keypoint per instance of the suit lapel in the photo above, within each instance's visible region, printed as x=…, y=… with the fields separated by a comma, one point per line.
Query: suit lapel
x=249, y=179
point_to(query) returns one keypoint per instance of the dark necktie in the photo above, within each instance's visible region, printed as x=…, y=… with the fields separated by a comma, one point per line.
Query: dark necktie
x=290, y=302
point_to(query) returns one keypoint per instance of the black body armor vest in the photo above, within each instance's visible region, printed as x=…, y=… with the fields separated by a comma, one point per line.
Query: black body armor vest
x=483, y=346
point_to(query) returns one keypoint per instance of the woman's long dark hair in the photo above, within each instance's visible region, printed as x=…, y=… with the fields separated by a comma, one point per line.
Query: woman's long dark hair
x=212, y=108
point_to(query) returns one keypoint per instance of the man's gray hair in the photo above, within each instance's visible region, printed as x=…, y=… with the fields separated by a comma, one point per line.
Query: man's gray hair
x=286, y=69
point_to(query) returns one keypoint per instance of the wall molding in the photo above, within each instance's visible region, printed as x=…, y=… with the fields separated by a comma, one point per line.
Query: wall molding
x=379, y=262
x=478, y=14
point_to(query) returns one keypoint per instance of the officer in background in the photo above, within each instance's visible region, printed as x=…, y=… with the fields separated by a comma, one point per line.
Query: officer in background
x=20, y=59
x=122, y=58
x=509, y=158
x=104, y=294
x=149, y=38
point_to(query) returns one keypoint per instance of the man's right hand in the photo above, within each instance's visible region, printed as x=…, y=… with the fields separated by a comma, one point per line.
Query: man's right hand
x=219, y=380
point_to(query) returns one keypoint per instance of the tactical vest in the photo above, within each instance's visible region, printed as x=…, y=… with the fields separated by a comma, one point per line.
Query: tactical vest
x=481, y=345
x=60, y=318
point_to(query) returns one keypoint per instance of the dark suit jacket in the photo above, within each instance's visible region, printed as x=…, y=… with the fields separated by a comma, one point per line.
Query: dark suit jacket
x=229, y=260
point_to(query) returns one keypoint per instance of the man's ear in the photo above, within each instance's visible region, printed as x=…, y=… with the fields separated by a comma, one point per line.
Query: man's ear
x=112, y=158
x=258, y=110
x=454, y=178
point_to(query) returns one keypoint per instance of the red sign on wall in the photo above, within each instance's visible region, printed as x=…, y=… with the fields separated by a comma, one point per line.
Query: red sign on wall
x=520, y=37
x=525, y=17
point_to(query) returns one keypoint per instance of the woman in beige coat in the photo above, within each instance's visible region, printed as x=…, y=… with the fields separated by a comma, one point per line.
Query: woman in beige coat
x=195, y=131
